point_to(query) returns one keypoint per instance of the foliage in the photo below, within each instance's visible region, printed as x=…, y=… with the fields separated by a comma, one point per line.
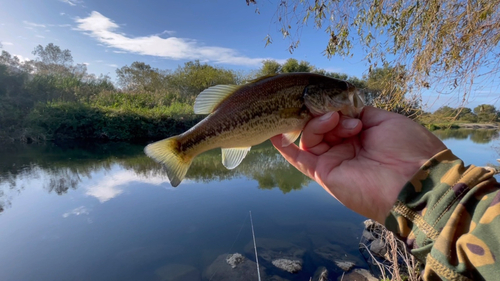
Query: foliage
x=194, y=77
x=439, y=44
x=141, y=77
x=446, y=116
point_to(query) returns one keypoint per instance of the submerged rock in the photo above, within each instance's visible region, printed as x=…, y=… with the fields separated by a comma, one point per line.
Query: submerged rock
x=321, y=274
x=358, y=274
x=345, y=265
x=333, y=252
x=235, y=259
x=220, y=270
x=273, y=249
x=291, y=266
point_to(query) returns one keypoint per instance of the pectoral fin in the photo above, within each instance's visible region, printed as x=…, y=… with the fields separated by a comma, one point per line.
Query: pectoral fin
x=232, y=157
x=289, y=138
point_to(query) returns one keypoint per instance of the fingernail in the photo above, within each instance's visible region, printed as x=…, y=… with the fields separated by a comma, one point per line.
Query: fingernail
x=350, y=123
x=326, y=116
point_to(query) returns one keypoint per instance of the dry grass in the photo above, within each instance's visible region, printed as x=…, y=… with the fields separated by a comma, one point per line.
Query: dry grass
x=398, y=264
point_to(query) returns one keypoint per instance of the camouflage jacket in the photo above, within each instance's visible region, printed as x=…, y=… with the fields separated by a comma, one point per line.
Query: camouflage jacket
x=449, y=216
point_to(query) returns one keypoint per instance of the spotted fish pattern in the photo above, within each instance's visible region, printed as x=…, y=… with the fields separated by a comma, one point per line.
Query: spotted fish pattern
x=448, y=214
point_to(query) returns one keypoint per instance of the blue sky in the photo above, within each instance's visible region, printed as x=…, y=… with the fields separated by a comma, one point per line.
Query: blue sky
x=110, y=34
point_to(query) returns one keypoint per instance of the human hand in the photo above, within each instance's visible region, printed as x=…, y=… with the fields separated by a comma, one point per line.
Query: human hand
x=365, y=162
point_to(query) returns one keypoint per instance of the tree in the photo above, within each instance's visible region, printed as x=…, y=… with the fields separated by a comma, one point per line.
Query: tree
x=441, y=44
x=52, y=60
x=269, y=67
x=486, y=113
x=194, y=77
x=140, y=76
x=293, y=65
x=386, y=89
x=466, y=114
x=445, y=112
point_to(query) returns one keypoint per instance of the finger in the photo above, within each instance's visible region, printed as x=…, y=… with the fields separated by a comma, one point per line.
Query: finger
x=316, y=128
x=348, y=127
x=300, y=159
x=371, y=116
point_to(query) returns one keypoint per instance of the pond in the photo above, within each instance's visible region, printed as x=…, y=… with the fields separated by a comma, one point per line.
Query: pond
x=107, y=212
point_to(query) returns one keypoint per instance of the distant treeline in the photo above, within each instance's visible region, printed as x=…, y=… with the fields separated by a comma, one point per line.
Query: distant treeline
x=446, y=116
x=51, y=98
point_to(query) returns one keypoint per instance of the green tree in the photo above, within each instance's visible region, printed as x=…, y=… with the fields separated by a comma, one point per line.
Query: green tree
x=269, y=67
x=194, y=77
x=466, y=114
x=440, y=43
x=445, y=112
x=52, y=60
x=486, y=113
x=386, y=89
x=140, y=76
x=293, y=65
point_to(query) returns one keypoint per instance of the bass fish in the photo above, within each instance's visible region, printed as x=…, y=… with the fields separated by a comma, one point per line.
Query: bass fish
x=241, y=116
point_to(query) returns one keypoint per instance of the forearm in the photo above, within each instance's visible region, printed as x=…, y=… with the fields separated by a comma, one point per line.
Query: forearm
x=449, y=216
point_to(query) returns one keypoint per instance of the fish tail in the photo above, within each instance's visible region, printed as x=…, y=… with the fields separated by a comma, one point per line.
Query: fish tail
x=168, y=152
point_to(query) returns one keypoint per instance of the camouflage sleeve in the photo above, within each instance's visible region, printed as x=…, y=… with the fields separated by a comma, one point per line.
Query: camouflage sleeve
x=449, y=216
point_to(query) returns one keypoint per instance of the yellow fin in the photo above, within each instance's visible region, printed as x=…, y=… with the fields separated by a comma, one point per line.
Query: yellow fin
x=166, y=152
x=232, y=157
x=289, y=138
x=210, y=98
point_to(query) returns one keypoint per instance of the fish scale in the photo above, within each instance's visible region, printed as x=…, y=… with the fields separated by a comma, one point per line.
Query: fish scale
x=240, y=117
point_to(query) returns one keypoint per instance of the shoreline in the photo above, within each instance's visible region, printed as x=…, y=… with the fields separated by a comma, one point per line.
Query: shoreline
x=479, y=126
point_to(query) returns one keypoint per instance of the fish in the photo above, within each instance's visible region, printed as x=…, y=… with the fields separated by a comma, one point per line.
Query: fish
x=241, y=116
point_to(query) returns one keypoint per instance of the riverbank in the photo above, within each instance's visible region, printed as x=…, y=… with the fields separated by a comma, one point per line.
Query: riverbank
x=443, y=126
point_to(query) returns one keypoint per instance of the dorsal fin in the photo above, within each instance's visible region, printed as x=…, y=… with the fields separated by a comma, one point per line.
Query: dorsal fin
x=210, y=98
x=261, y=78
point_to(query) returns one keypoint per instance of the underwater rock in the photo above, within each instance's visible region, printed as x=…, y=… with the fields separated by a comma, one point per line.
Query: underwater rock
x=272, y=249
x=291, y=266
x=358, y=274
x=333, y=252
x=220, y=270
x=235, y=259
x=345, y=265
x=321, y=274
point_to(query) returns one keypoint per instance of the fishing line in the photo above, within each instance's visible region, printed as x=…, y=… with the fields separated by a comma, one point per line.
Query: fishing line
x=234, y=242
x=255, y=246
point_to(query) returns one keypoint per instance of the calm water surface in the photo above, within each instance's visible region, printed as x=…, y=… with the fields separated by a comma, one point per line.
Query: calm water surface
x=106, y=212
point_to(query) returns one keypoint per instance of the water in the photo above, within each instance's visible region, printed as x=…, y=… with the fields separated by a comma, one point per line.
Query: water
x=106, y=212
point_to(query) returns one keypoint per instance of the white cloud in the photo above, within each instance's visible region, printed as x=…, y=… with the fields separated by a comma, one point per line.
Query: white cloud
x=86, y=63
x=71, y=2
x=7, y=43
x=168, y=32
x=106, y=31
x=112, y=185
x=40, y=36
x=112, y=65
x=77, y=211
x=62, y=13
x=21, y=58
x=32, y=24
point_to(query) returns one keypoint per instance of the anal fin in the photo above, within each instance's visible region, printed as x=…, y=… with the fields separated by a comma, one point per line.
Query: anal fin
x=232, y=157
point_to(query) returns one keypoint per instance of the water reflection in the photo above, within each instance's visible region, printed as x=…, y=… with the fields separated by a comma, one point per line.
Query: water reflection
x=479, y=136
x=60, y=169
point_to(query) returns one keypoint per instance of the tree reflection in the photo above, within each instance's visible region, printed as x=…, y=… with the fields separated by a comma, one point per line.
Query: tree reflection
x=479, y=136
x=66, y=167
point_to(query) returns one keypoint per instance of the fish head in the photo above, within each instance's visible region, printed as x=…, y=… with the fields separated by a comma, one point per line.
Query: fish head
x=325, y=95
